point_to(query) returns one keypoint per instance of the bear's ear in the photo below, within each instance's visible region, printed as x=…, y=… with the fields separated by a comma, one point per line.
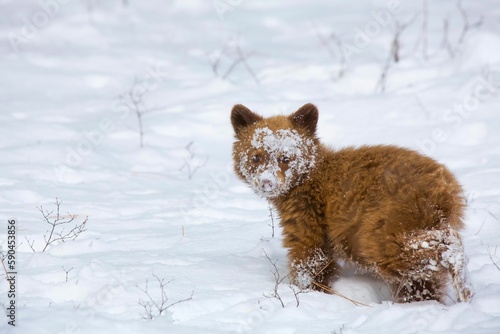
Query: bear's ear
x=306, y=118
x=241, y=117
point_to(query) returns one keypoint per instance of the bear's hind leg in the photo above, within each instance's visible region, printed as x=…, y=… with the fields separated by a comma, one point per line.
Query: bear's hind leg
x=454, y=259
x=418, y=289
x=427, y=260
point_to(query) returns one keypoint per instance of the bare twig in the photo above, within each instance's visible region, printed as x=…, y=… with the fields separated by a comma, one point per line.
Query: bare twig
x=467, y=26
x=30, y=243
x=4, y=268
x=380, y=87
x=67, y=272
x=325, y=42
x=296, y=292
x=423, y=37
x=277, y=280
x=343, y=59
x=425, y=28
x=330, y=290
x=491, y=256
x=215, y=63
x=245, y=63
x=446, y=40
x=341, y=330
x=154, y=307
x=241, y=59
x=393, y=54
x=494, y=217
x=481, y=227
x=190, y=164
x=134, y=101
x=422, y=106
x=57, y=230
x=396, y=44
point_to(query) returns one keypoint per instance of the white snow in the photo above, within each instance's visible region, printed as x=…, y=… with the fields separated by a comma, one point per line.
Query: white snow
x=176, y=209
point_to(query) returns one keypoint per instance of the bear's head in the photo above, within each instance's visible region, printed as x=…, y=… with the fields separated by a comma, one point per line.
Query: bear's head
x=275, y=154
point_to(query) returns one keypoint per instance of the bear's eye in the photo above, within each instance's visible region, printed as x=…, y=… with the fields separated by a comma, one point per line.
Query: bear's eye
x=256, y=159
x=284, y=160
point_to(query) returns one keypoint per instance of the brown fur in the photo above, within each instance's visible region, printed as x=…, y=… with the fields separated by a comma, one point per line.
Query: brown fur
x=385, y=208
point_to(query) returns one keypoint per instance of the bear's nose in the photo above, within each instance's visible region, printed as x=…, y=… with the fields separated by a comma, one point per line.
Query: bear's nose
x=266, y=184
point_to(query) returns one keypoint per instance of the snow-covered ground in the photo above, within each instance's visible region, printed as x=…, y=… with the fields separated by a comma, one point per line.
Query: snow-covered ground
x=74, y=72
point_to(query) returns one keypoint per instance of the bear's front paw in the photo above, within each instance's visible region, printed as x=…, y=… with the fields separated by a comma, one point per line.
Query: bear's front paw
x=313, y=272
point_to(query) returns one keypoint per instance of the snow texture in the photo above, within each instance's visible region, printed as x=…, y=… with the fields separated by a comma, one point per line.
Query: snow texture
x=175, y=208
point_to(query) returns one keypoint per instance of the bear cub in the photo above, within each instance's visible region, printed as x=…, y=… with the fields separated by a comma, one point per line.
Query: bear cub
x=385, y=209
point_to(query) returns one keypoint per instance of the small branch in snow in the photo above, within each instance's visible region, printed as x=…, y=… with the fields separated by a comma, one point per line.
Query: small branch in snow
x=467, y=26
x=30, y=243
x=277, y=281
x=57, y=231
x=191, y=165
x=494, y=217
x=380, y=87
x=343, y=59
x=422, y=106
x=446, y=41
x=423, y=37
x=4, y=268
x=296, y=292
x=241, y=58
x=245, y=63
x=215, y=62
x=341, y=330
x=393, y=55
x=330, y=290
x=396, y=44
x=481, y=227
x=67, y=272
x=156, y=307
x=425, y=28
x=325, y=42
x=133, y=99
x=491, y=256
x=333, y=292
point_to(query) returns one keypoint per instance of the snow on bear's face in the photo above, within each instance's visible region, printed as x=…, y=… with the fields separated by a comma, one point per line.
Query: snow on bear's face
x=275, y=154
x=276, y=161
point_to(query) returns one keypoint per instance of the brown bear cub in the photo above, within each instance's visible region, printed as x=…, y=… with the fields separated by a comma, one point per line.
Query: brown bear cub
x=384, y=208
